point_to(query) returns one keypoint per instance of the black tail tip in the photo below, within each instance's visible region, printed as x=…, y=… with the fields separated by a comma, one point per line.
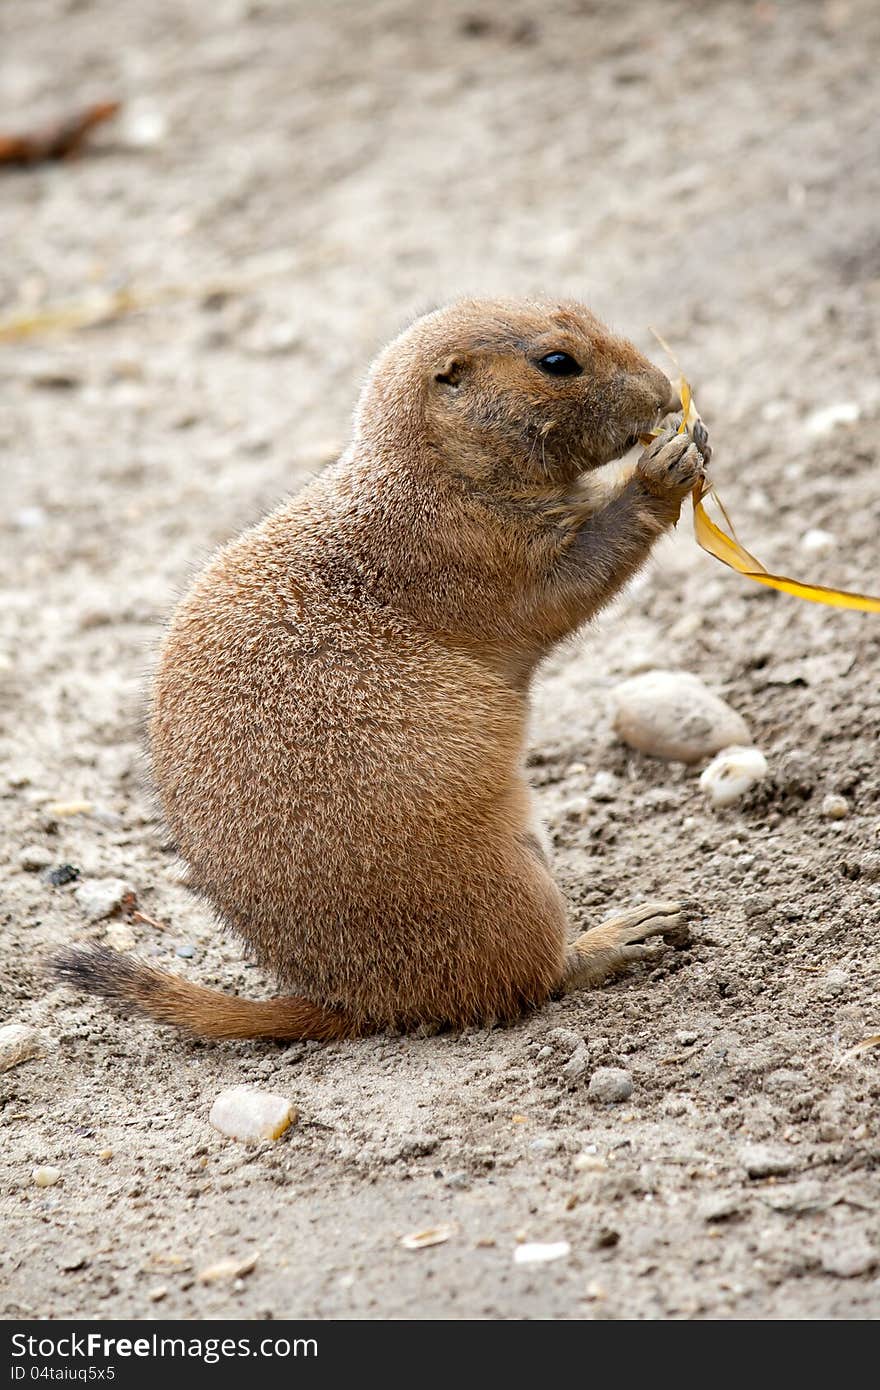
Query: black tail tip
x=96, y=970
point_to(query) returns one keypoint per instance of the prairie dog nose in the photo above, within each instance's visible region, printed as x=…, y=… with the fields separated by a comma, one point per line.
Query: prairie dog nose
x=673, y=401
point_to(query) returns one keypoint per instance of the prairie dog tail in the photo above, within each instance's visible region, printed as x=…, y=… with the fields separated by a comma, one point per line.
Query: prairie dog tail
x=205, y=1012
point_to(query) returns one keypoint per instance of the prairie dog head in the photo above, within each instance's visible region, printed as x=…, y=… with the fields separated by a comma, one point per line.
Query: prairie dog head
x=513, y=391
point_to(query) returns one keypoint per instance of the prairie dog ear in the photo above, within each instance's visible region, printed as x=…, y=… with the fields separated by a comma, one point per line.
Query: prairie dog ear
x=452, y=371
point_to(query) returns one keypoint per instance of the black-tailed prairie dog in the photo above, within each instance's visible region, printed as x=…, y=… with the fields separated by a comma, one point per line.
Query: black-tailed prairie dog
x=339, y=715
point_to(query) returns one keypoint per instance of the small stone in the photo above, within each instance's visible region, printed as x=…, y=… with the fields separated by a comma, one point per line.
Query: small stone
x=577, y=1064
x=798, y=1197
x=606, y=1238
x=46, y=1177
x=685, y=1038
x=574, y=810
x=818, y=542
x=544, y=1145
x=732, y=773
x=29, y=518
x=119, y=936
x=827, y=417
x=423, y=1240
x=604, y=787
x=673, y=715
x=835, y=981
x=144, y=126
x=677, y=1105
x=458, y=1180
x=721, y=1206
x=869, y=867
x=847, y=1259
x=156, y=1295
x=64, y=874
x=565, y=1038
x=762, y=1161
x=186, y=952
x=796, y=773
x=61, y=809
x=610, y=1085
x=784, y=1080
x=101, y=897
x=73, y=1259
x=834, y=807
x=534, y=1253
x=250, y=1115
x=830, y=1133
x=35, y=857
x=18, y=1043
x=589, y=1163
x=227, y=1269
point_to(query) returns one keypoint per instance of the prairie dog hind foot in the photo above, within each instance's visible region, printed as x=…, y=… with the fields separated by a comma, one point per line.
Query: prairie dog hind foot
x=618, y=942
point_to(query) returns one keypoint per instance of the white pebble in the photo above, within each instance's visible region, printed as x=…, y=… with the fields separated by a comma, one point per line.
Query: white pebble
x=119, y=936
x=536, y=1254
x=242, y=1113
x=34, y=857
x=144, y=126
x=101, y=897
x=29, y=518
x=588, y=1163
x=46, y=1177
x=817, y=542
x=604, y=786
x=765, y=1161
x=847, y=1259
x=835, y=807
x=227, y=1269
x=610, y=1085
x=63, y=809
x=730, y=775
x=824, y=420
x=673, y=715
x=423, y=1240
x=18, y=1043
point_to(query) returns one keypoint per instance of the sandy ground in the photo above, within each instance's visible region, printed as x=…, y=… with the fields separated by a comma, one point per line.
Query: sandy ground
x=307, y=177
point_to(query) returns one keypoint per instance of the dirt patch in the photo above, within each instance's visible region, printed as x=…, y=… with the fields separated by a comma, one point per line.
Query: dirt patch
x=307, y=182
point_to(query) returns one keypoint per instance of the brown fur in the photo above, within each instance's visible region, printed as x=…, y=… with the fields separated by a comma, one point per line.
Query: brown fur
x=339, y=716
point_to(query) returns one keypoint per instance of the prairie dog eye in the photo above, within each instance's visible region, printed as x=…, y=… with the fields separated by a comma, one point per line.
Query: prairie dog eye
x=560, y=364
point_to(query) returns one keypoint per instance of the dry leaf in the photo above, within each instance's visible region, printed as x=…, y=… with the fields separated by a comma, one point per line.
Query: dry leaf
x=87, y=313
x=59, y=140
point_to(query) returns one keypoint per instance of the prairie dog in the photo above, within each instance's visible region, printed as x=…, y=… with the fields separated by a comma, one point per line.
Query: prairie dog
x=339, y=715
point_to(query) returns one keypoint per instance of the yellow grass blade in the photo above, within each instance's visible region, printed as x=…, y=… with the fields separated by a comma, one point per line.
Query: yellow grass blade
x=724, y=545
x=728, y=550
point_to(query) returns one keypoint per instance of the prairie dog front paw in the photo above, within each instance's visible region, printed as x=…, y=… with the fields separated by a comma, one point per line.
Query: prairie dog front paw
x=670, y=466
